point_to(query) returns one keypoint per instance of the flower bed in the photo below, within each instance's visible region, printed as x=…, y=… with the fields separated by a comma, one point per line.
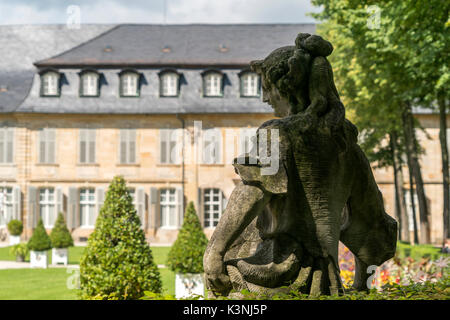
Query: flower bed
x=398, y=270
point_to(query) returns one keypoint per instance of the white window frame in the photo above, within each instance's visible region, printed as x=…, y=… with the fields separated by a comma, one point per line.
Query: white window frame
x=50, y=84
x=169, y=84
x=209, y=209
x=6, y=145
x=6, y=207
x=166, y=194
x=213, y=84
x=250, y=84
x=89, y=84
x=91, y=204
x=88, y=137
x=47, y=136
x=129, y=82
x=128, y=140
x=44, y=206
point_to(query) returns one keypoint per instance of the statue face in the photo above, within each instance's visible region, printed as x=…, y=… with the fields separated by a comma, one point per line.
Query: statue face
x=272, y=96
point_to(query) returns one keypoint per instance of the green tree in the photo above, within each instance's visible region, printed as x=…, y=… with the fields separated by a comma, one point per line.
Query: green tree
x=39, y=241
x=385, y=69
x=118, y=262
x=15, y=227
x=60, y=235
x=186, y=254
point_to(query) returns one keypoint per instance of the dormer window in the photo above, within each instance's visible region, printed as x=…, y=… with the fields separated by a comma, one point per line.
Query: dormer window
x=169, y=83
x=250, y=85
x=212, y=84
x=129, y=83
x=50, y=84
x=89, y=84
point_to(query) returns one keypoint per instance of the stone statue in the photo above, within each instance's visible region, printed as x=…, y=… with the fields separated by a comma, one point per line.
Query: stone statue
x=280, y=232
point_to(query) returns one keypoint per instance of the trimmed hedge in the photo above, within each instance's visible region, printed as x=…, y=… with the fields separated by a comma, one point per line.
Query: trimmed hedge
x=39, y=241
x=60, y=235
x=15, y=227
x=186, y=254
x=118, y=262
x=415, y=291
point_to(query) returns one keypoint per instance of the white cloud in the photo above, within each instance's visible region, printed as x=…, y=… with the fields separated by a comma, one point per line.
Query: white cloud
x=145, y=11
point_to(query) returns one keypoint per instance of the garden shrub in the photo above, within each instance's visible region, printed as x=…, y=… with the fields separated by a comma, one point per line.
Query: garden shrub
x=15, y=227
x=39, y=241
x=118, y=262
x=186, y=254
x=20, y=251
x=60, y=235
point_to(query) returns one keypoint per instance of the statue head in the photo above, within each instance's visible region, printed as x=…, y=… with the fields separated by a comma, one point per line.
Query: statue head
x=285, y=73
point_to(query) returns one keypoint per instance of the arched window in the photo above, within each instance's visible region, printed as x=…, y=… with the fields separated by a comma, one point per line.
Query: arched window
x=250, y=84
x=169, y=83
x=50, y=86
x=129, y=83
x=212, y=84
x=89, y=83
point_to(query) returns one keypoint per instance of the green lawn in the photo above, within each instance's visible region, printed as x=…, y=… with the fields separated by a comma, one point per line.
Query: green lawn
x=51, y=284
x=75, y=253
x=35, y=284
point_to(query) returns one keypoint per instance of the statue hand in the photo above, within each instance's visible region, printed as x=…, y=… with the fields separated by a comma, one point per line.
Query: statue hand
x=215, y=276
x=303, y=121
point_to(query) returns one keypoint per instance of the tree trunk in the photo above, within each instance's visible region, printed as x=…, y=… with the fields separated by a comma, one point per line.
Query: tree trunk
x=400, y=205
x=411, y=147
x=445, y=169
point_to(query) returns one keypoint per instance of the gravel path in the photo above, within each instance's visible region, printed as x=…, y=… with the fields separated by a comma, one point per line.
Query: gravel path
x=26, y=265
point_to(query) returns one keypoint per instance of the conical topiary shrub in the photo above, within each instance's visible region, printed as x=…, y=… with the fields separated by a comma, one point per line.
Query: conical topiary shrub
x=186, y=254
x=39, y=241
x=118, y=262
x=60, y=235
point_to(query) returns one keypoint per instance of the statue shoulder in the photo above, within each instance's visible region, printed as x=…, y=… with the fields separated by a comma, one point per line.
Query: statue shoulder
x=274, y=124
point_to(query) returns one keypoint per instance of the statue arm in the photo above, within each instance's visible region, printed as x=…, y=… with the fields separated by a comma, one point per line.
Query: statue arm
x=318, y=87
x=245, y=203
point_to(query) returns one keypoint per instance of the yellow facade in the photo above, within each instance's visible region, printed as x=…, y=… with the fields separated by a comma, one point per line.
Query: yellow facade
x=147, y=172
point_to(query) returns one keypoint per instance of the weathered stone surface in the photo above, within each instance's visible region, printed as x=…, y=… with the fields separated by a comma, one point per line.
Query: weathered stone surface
x=324, y=190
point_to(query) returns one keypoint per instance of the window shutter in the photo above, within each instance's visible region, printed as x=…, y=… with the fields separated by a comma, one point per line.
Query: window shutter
x=42, y=143
x=91, y=142
x=51, y=145
x=73, y=214
x=123, y=146
x=218, y=147
x=200, y=208
x=180, y=206
x=17, y=208
x=154, y=209
x=59, y=201
x=32, y=201
x=140, y=206
x=100, y=199
x=164, y=145
x=131, y=146
x=2, y=145
x=9, y=145
x=82, y=146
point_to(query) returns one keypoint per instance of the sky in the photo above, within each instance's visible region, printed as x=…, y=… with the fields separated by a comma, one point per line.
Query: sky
x=152, y=11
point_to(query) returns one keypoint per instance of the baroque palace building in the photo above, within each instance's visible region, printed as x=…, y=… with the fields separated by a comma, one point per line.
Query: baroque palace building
x=166, y=106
